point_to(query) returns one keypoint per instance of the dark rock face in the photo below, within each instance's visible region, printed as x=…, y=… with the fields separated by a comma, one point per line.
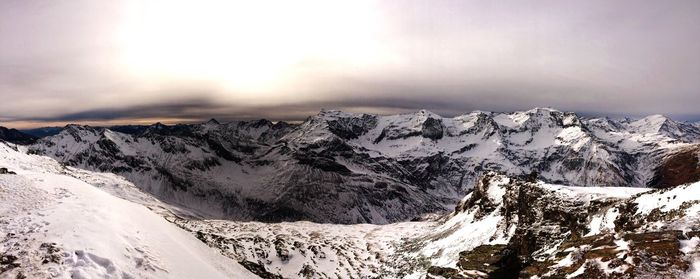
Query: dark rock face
x=8, y=262
x=324, y=164
x=432, y=128
x=678, y=168
x=15, y=136
x=498, y=261
x=259, y=270
x=352, y=128
x=484, y=261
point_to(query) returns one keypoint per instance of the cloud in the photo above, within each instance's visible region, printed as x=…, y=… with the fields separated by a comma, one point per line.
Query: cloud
x=64, y=62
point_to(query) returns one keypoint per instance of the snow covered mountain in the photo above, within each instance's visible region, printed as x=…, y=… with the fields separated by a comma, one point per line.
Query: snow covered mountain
x=505, y=228
x=58, y=222
x=360, y=168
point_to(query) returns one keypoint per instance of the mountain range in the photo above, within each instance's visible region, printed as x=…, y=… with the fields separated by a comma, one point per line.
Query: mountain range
x=338, y=167
x=348, y=195
x=64, y=222
x=16, y=136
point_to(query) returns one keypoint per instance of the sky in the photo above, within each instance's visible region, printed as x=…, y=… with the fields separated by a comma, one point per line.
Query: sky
x=122, y=61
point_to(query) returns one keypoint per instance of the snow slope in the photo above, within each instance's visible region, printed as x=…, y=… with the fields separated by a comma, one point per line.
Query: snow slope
x=59, y=226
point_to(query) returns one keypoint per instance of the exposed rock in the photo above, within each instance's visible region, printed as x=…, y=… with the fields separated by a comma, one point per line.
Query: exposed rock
x=51, y=253
x=8, y=262
x=352, y=128
x=6, y=171
x=435, y=272
x=496, y=261
x=432, y=128
x=259, y=270
x=553, y=237
x=678, y=168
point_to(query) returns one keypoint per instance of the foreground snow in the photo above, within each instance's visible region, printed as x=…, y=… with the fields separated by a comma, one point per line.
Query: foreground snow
x=60, y=226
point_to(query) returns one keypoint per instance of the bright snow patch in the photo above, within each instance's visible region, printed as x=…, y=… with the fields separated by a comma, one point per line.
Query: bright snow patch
x=669, y=200
x=97, y=235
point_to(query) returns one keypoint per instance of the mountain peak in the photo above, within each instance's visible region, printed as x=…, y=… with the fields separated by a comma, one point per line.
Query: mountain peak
x=75, y=126
x=656, y=118
x=651, y=124
x=425, y=111
x=542, y=110
x=212, y=121
x=260, y=123
x=78, y=128
x=334, y=114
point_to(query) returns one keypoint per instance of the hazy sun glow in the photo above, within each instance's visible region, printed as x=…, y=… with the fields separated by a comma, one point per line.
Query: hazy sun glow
x=103, y=61
x=247, y=46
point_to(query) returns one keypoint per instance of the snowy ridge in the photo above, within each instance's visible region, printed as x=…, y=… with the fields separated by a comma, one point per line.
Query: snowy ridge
x=54, y=225
x=378, y=169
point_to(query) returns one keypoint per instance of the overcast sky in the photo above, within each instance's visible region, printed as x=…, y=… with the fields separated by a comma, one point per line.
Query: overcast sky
x=118, y=61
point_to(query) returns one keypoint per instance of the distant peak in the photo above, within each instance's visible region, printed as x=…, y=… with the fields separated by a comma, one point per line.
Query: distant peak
x=281, y=124
x=213, y=122
x=542, y=109
x=329, y=111
x=427, y=113
x=261, y=122
x=479, y=112
x=76, y=127
x=656, y=117
x=158, y=125
x=332, y=114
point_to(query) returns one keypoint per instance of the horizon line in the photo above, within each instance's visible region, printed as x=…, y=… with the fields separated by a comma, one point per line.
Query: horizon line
x=30, y=124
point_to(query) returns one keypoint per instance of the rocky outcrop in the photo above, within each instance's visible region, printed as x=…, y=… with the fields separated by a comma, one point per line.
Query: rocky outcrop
x=577, y=236
x=6, y=171
x=504, y=228
x=432, y=128
x=352, y=127
x=679, y=167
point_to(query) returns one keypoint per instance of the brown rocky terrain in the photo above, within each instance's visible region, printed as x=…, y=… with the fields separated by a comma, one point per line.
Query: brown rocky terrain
x=680, y=167
x=556, y=237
